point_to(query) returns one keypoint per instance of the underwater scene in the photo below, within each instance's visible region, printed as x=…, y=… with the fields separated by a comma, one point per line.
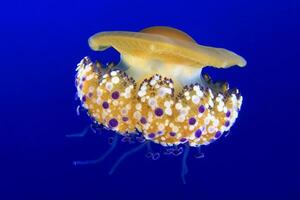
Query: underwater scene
x=150, y=100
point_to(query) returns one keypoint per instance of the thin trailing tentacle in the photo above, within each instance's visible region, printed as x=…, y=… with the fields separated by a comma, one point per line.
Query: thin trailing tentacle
x=125, y=155
x=184, y=169
x=227, y=133
x=151, y=154
x=80, y=134
x=101, y=158
x=199, y=154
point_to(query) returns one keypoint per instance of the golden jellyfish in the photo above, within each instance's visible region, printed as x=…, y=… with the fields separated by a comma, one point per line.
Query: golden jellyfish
x=157, y=89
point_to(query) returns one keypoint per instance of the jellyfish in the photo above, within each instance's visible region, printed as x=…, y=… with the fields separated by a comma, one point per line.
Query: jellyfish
x=158, y=91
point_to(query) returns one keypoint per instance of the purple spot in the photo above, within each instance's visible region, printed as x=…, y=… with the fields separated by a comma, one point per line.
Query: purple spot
x=83, y=98
x=218, y=134
x=125, y=119
x=159, y=112
x=90, y=95
x=192, y=121
x=172, y=134
x=80, y=86
x=198, y=133
x=83, y=78
x=143, y=120
x=201, y=109
x=227, y=123
x=228, y=113
x=115, y=95
x=160, y=132
x=113, y=122
x=105, y=105
x=183, y=140
x=151, y=135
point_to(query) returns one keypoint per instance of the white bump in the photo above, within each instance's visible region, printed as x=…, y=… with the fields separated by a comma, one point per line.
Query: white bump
x=180, y=118
x=127, y=95
x=225, y=109
x=152, y=102
x=113, y=73
x=211, y=129
x=152, y=82
x=137, y=115
x=167, y=104
x=99, y=92
x=103, y=81
x=183, y=112
x=178, y=106
x=98, y=101
x=124, y=111
x=169, y=90
x=141, y=93
x=191, y=128
x=196, y=87
x=199, y=93
x=90, y=77
x=138, y=106
x=109, y=86
x=175, y=129
x=220, y=108
x=161, y=92
x=91, y=89
x=128, y=106
x=161, y=127
x=195, y=99
x=144, y=87
x=168, y=111
x=211, y=103
x=127, y=90
x=216, y=122
x=207, y=120
x=115, y=80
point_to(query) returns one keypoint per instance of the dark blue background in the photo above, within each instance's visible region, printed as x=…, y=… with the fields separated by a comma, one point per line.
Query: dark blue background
x=41, y=43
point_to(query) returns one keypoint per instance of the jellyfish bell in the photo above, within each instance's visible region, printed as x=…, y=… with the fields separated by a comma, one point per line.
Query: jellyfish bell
x=164, y=50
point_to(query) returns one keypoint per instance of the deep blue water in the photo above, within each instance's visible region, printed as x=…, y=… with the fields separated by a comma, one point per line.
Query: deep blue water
x=41, y=43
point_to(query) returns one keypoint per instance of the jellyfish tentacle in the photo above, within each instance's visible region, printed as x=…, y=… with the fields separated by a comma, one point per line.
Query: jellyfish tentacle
x=151, y=154
x=101, y=158
x=95, y=128
x=199, y=154
x=78, y=108
x=83, y=133
x=184, y=169
x=125, y=155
